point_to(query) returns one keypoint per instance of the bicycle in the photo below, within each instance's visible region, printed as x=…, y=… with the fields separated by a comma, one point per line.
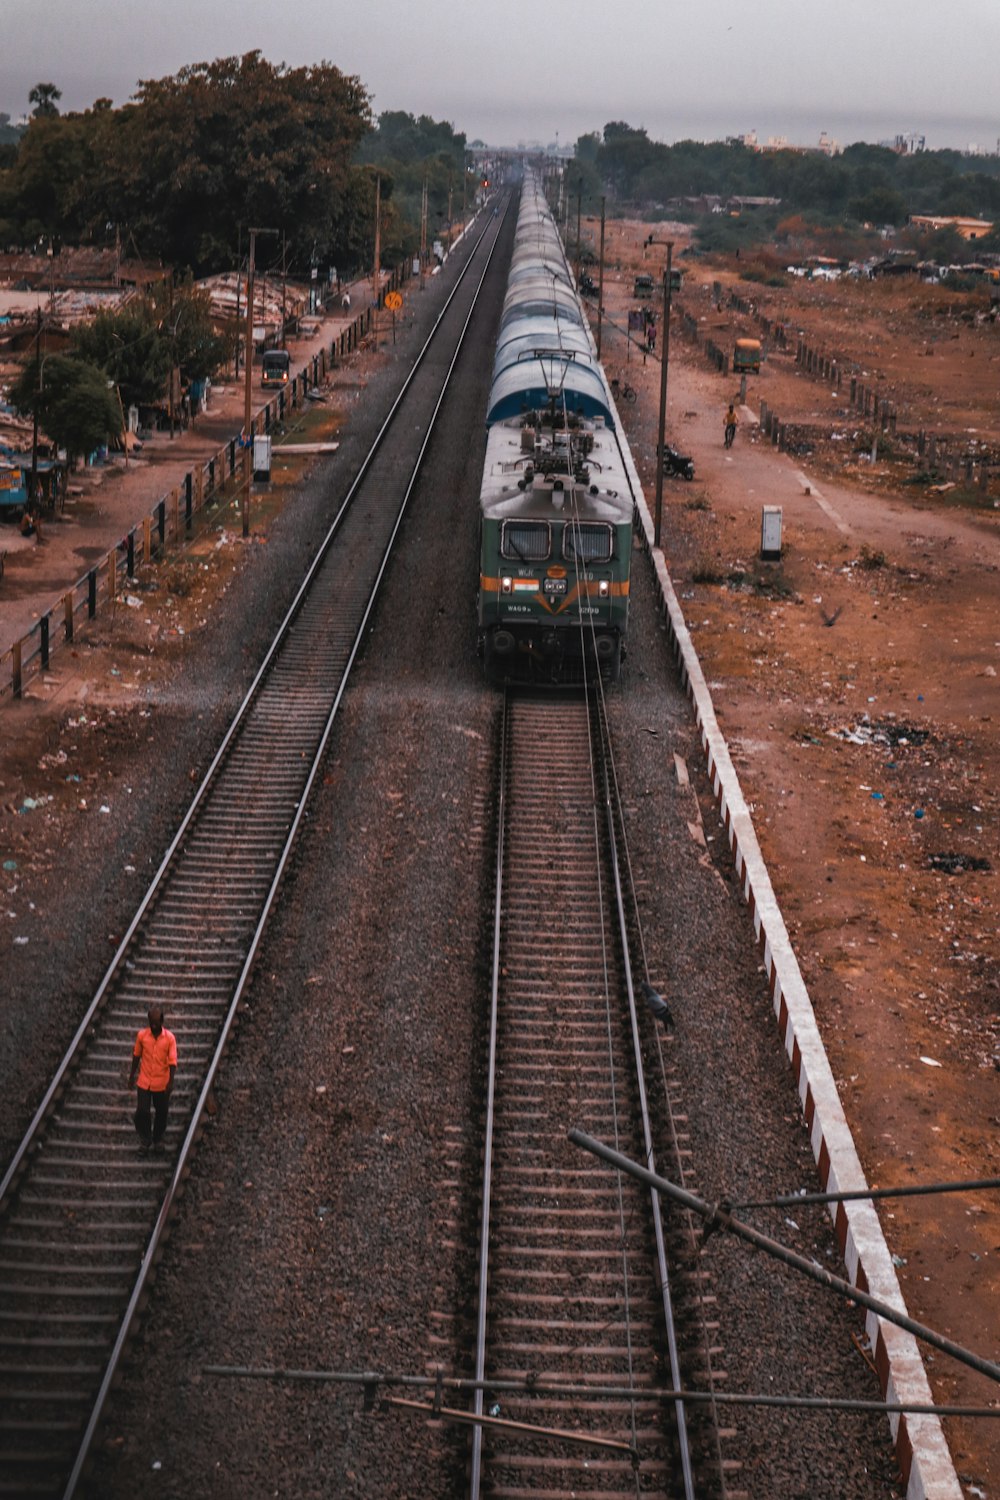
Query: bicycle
x=730, y=433
x=623, y=389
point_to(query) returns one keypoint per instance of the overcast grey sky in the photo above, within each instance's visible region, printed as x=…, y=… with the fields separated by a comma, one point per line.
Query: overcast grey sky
x=521, y=70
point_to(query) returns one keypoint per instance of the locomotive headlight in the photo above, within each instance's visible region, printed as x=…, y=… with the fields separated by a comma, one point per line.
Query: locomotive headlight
x=506, y=584
x=603, y=588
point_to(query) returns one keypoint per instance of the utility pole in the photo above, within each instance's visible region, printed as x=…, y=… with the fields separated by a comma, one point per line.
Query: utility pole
x=247, y=412
x=38, y=397
x=239, y=266
x=284, y=283
x=664, y=359
x=376, y=271
x=579, y=205
x=423, y=232
x=600, y=285
x=173, y=351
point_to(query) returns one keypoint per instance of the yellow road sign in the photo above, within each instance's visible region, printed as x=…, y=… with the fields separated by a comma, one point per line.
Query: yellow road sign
x=393, y=301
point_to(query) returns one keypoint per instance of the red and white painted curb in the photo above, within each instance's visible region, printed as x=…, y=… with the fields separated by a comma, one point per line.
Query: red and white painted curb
x=921, y=1450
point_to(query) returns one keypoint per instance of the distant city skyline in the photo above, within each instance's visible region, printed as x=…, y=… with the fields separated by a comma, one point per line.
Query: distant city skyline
x=781, y=68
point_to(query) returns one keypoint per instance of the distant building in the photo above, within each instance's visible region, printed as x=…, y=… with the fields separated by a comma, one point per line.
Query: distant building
x=827, y=146
x=739, y=203
x=969, y=229
x=905, y=145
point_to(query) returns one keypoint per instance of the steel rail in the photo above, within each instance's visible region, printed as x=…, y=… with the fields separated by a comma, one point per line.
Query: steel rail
x=230, y=734
x=542, y=1182
x=476, y=1457
x=613, y=816
x=264, y=847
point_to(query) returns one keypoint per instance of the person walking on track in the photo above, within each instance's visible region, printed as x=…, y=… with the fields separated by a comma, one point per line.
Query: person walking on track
x=154, y=1062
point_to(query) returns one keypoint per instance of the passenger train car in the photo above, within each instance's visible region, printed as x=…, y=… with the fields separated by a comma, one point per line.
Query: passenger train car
x=556, y=507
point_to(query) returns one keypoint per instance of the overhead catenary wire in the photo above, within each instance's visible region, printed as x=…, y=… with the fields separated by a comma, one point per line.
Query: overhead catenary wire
x=914, y=1190
x=371, y=1380
x=716, y=1217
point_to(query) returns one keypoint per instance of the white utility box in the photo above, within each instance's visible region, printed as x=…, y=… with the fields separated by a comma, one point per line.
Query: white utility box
x=770, y=533
x=262, y=458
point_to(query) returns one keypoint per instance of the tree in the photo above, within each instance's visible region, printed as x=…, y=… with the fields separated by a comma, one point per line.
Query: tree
x=52, y=176
x=43, y=96
x=74, y=402
x=184, y=314
x=880, y=205
x=131, y=347
x=235, y=142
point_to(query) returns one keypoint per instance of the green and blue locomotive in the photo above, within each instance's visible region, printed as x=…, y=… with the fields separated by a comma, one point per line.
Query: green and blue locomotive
x=556, y=505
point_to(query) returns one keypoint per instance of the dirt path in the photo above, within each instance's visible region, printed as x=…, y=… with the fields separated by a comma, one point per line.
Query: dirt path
x=105, y=502
x=856, y=681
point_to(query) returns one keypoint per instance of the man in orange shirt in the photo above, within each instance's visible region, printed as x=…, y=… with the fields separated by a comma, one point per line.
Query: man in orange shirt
x=154, y=1059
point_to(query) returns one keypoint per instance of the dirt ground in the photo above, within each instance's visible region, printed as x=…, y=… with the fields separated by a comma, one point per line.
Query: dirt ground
x=855, y=680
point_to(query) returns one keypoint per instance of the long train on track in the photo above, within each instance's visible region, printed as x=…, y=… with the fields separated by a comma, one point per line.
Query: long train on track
x=556, y=507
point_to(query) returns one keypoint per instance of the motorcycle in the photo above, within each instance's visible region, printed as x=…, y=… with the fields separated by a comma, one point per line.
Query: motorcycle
x=676, y=464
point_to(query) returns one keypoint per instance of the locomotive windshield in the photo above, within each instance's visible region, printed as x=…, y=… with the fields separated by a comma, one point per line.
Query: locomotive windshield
x=528, y=541
x=588, y=542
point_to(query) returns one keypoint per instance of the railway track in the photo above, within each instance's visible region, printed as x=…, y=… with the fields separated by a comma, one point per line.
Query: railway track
x=574, y=1290
x=82, y=1216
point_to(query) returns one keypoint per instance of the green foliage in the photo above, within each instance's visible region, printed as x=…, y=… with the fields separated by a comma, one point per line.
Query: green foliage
x=409, y=152
x=192, y=160
x=43, y=96
x=130, y=348
x=587, y=147
x=231, y=143
x=137, y=345
x=185, y=314
x=879, y=205
x=74, y=402
x=727, y=233
x=865, y=184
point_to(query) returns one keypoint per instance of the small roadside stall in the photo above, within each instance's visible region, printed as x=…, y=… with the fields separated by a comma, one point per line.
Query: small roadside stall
x=15, y=482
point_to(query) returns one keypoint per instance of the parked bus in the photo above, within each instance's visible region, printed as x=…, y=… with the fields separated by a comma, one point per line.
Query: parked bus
x=747, y=356
x=275, y=368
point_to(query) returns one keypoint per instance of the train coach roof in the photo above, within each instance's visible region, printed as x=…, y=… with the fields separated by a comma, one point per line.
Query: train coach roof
x=526, y=385
x=541, y=288
x=501, y=500
x=548, y=268
x=527, y=335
